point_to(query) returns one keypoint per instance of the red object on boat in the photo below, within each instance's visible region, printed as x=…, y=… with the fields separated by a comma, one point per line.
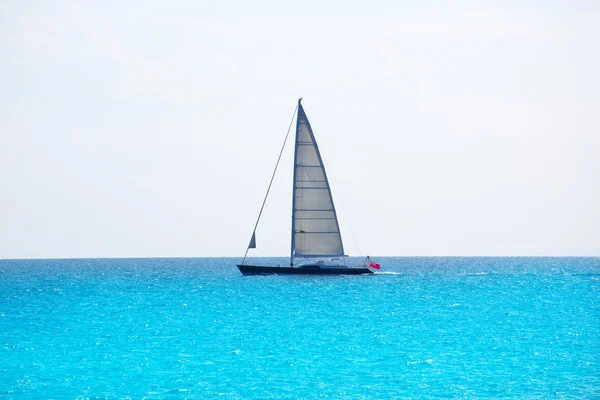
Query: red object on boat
x=375, y=265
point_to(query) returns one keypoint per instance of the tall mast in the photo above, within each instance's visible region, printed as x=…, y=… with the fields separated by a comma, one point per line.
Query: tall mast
x=294, y=186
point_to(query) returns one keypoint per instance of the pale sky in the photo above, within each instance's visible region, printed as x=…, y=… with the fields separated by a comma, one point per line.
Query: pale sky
x=150, y=128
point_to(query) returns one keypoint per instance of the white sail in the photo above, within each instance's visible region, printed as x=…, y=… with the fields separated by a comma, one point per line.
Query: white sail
x=315, y=229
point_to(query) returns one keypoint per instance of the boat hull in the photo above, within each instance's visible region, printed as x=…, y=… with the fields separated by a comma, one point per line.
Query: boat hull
x=303, y=270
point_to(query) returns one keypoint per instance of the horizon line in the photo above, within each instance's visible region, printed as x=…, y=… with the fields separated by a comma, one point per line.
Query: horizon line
x=234, y=257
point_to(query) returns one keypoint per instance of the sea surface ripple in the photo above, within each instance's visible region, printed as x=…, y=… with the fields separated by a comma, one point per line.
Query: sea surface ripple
x=195, y=328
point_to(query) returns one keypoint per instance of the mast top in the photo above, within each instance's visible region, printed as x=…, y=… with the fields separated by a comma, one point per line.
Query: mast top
x=299, y=100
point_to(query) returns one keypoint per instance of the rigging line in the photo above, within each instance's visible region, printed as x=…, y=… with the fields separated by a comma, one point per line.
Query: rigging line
x=344, y=215
x=271, y=182
x=346, y=218
x=360, y=253
x=264, y=252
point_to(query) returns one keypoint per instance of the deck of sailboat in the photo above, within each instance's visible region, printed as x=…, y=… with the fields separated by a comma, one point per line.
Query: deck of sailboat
x=307, y=269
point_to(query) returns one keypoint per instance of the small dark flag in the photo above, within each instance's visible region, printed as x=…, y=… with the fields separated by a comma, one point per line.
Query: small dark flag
x=252, y=244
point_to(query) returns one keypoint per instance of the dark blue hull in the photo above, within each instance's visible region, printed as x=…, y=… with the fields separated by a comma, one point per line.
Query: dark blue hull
x=303, y=270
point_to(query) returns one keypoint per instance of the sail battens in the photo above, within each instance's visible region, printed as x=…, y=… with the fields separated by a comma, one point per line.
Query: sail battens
x=312, y=218
x=313, y=209
x=315, y=229
x=316, y=232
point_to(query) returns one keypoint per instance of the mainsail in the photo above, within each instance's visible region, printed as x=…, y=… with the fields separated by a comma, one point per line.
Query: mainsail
x=315, y=229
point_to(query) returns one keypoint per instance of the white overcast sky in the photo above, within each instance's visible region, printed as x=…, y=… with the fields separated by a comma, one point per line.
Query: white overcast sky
x=150, y=128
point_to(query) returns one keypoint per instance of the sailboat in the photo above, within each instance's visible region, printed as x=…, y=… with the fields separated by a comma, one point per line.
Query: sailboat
x=316, y=242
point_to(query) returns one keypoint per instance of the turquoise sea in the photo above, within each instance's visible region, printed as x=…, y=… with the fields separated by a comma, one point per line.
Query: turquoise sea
x=195, y=328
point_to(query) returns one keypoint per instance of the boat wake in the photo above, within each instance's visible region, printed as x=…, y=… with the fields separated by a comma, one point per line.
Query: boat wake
x=387, y=273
